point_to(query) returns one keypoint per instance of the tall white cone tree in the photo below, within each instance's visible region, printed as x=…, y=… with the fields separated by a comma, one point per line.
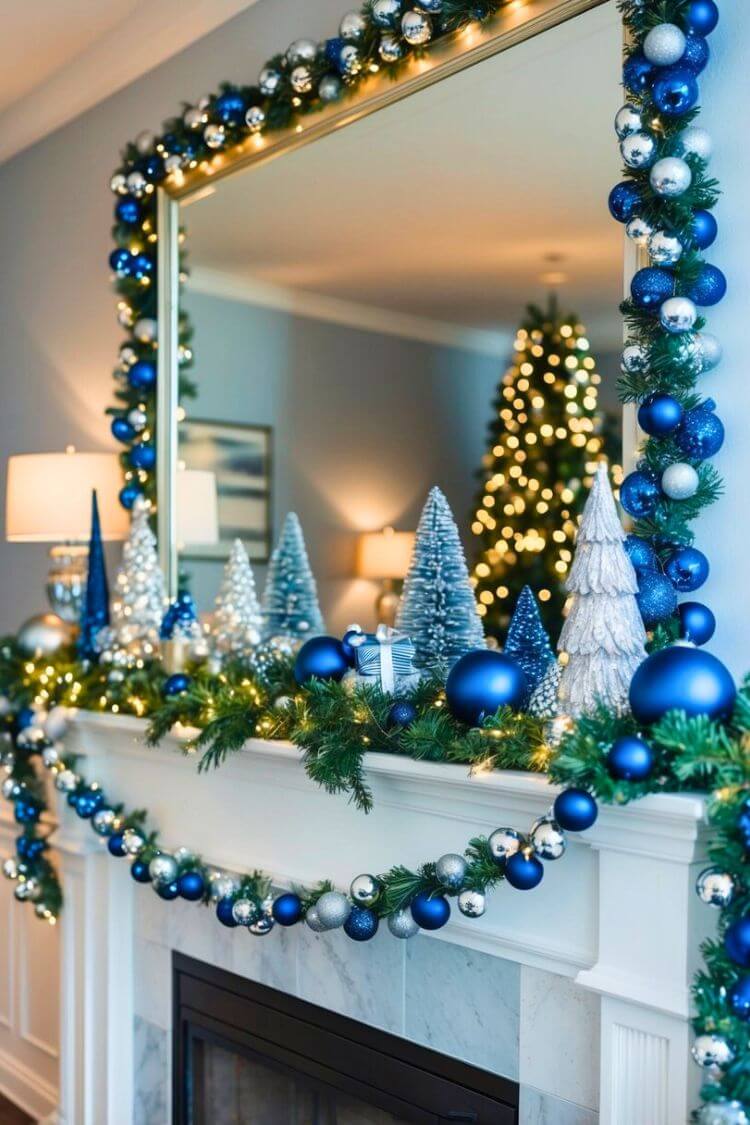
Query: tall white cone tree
x=238, y=622
x=603, y=634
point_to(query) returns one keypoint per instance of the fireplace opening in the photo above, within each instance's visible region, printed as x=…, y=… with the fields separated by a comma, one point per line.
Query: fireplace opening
x=245, y=1054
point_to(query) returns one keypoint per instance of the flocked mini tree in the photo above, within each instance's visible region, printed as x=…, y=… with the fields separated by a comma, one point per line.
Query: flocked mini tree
x=138, y=599
x=544, y=441
x=290, y=599
x=437, y=609
x=603, y=635
x=238, y=622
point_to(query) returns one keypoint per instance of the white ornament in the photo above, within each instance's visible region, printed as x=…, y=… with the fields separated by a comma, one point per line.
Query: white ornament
x=145, y=142
x=671, y=177
x=416, y=28
x=628, y=121
x=678, y=314
x=638, y=150
x=664, y=44
x=639, y=231
x=664, y=249
x=697, y=141
x=255, y=118
x=214, y=135
x=711, y=350
x=680, y=481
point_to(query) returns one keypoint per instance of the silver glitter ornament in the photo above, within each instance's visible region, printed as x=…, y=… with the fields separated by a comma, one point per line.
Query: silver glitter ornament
x=352, y=27
x=715, y=887
x=664, y=249
x=119, y=184
x=638, y=150
x=350, y=60
x=10, y=868
x=137, y=183
x=696, y=141
x=333, y=909
x=268, y=81
x=472, y=904
x=313, y=921
x=261, y=927
x=390, y=48
x=547, y=838
x=66, y=781
x=680, y=481
x=678, y=314
x=329, y=88
x=133, y=842
x=503, y=843
x=664, y=45
x=639, y=231
x=244, y=911
x=670, y=177
x=301, y=51
x=214, y=135
x=416, y=28
x=402, y=925
x=710, y=349
x=301, y=79
x=365, y=890
x=628, y=121
x=44, y=634
x=450, y=870
x=255, y=118
x=222, y=885
x=163, y=868
x=712, y=1050
x=385, y=13
x=50, y=756
x=103, y=822
x=635, y=359
x=145, y=142
x=137, y=418
x=194, y=118
x=146, y=330
x=723, y=1113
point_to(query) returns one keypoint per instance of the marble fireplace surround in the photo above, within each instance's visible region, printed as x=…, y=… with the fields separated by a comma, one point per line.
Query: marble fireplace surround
x=579, y=990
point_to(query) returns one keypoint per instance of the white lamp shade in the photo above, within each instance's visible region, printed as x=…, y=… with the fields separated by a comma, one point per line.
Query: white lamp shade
x=48, y=497
x=197, y=508
x=384, y=554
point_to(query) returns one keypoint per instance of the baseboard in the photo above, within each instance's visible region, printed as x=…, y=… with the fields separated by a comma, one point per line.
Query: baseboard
x=27, y=1090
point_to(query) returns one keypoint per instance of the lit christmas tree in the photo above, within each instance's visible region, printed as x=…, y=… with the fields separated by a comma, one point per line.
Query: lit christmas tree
x=544, y=442
x=527, y=642
x=438, y=610
x=290, y=599
x=138, y=601
x=238, y=621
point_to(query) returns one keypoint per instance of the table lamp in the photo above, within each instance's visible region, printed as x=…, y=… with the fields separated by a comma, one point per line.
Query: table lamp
x=385, y=556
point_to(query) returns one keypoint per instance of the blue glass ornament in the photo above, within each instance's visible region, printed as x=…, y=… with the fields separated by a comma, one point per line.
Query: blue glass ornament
x=637, y=73
x=176, y=685
x=737, y=942
x=430, y=912
x=704, y=230
x=119, y=261
x=27, y=810
x=739, y=999
x=651, y=287
x=681, y=678
x=167, y=891
x=702, y=16
x=192, y=885
x=401, y=715
x=349, y=648
x=122, y=430
x=639, y=494
x=153, y=168
x=29, y=848
x=141, y=266
x=230, y=108
x=697, y=53
x=128, y=495
x=630, y=759
x=524, y=872
x=322, y=658
x=641, y=554
x=701, y=433
x=87, y=802
x=656, y=597
x=697, y=622
x=139, y=871
x=143, y=456
x=709, y=288
x=675, y=91
x=659, y=414
x=687, y=569
x=128, y=210
x=142, y=375
x=362, y=924
x=527, y=642
x=287, y=909
x=624, y=200
x=115, y=845
x=575, y=810
x=481, y=682
x=26, y=717
x=225, y=913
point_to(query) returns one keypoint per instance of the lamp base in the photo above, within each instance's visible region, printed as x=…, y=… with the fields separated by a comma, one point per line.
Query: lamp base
x=66, y=580
x=387, y=603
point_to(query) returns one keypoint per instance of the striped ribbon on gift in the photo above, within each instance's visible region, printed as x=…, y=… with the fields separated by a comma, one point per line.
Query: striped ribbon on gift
x=386, y=653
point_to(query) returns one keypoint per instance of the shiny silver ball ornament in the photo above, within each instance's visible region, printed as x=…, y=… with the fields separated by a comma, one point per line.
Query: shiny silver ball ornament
x=664, y=45
x=678, y=314
x=163, y=868
x=333, y=909
x=639, y=231
x=214, y=135
x=119, y=184
x=688, y=353
x=146, y=330
x=723, y=1113
x=244, y=911
x=696, y=141
x=329, y=88
x=194, y=118
x=680, y=481
x=402, y=925
x=261, y=927
x=664, y=249
x=638, y=150
x=628, y=121
x=132, y=842
x=145, y=142
x=255, y=118
x=313, y=921
x=450, y=870
x=715, y=887
x=137, y=418
x=390, y=48
x=137, y=183
x=352, y=27
x=103, y=822
x=301, y=79
x=385, y=13
x=50, y=756
x=25, y=890
x=223, y=885
x=183, y=855
x=547, y=838
x=635, y=359
x=472, y=904
x=301, y=51
x=172, y=163
x=503, y=843
x=416, y=28
x=671, y=177
x=10, y=868
x=11, y=788
x=350, y=62
x=44, y=634
x=710, y=349
x=712, y=1050
x=127, y=355
x=66, y=781
x=365, y=890
x=268, y=81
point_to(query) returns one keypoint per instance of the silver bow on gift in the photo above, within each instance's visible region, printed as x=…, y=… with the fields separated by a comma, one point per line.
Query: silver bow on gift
x=386, y=653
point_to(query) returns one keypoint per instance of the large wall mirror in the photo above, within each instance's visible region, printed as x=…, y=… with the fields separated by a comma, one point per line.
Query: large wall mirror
x=356, y=302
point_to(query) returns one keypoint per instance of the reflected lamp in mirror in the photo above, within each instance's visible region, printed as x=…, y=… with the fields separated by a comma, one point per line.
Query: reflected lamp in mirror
x=48, y=500
x=384, y=556
x=197, y=508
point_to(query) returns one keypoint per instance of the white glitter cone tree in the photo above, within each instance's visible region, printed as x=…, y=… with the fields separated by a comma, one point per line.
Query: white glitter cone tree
x=138, y=598
x=603, y=634
x=238, y=621
x=290, y=598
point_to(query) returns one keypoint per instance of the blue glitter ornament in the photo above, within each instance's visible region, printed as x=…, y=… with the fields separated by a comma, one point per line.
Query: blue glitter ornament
x=230, y=108
x=122, y=430
x=430, y=912
x=167, y=891
x=176, y=685
x=737, y=942
x=143, y=456
x=659, y=414
x=639, y=494
x=656, y=598
x=139, y=871
x=481, y=682
x=87, y=802
x=739, y=999
x=142, y=375
x=675, y=91
x=128, y=210
x=192, y=885
x=641, y=554
x=27, y=810
x=701, y=433
x=697, y=622
x=115, y=845
x=637, y=73
x=524, y=872
x=630, y=759
x=704, y=229
x=322, y=658
x=119, y=261
x=709, y=288
x=575, y=810
x=681, y=678
x=401, y=715
x=624, y=201
x=697, y=53
x=651, y=287
x=128, y=495
x=362, y=924
x=287, y=909
x=702, y=16
x=687, y=569
x=225, y=912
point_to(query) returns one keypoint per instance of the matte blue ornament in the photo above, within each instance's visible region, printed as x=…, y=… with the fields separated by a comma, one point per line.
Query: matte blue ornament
x=659, y=414
x=687, y=569
x=656, y=598
x=176, y=685
x=95, y=611
x=709, y=288
x=153, y=168
x=641, y=554
x=143, y=456
x=128, y=210
x=87, y=802
x=681, y=678
x=702, y=16
x=401, y=715
x=697, y=622
x=115, y=845
x=430, y=912
x=122, y=430
x=322, y=658
x=739, y=999
x=481, y=682
x=362, y=924
x=128, y=495
x=142, y=375
x=675, y=91
x=167, y=891
x=624, y=201
x=527, y=642
x=29, y=848
x=737, y=942
x=701, y=433
x=139, y=871
x=230, y=108
x=524, y=872
x=119, y=261
x=141, y=266
x=637, y=73
x=192, y=885
x=697, y=53
x=27, y=810
x=630, y=759
x=704, y=229
x=575, y=810
x=651, y=287
x=225, y=914
x=639, y=494
x=287, y=909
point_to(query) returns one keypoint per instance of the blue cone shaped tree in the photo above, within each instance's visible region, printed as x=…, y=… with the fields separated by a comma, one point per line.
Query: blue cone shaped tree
x=438, y=610
x=290, y=598
x=95, y=613
x=527, y=641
